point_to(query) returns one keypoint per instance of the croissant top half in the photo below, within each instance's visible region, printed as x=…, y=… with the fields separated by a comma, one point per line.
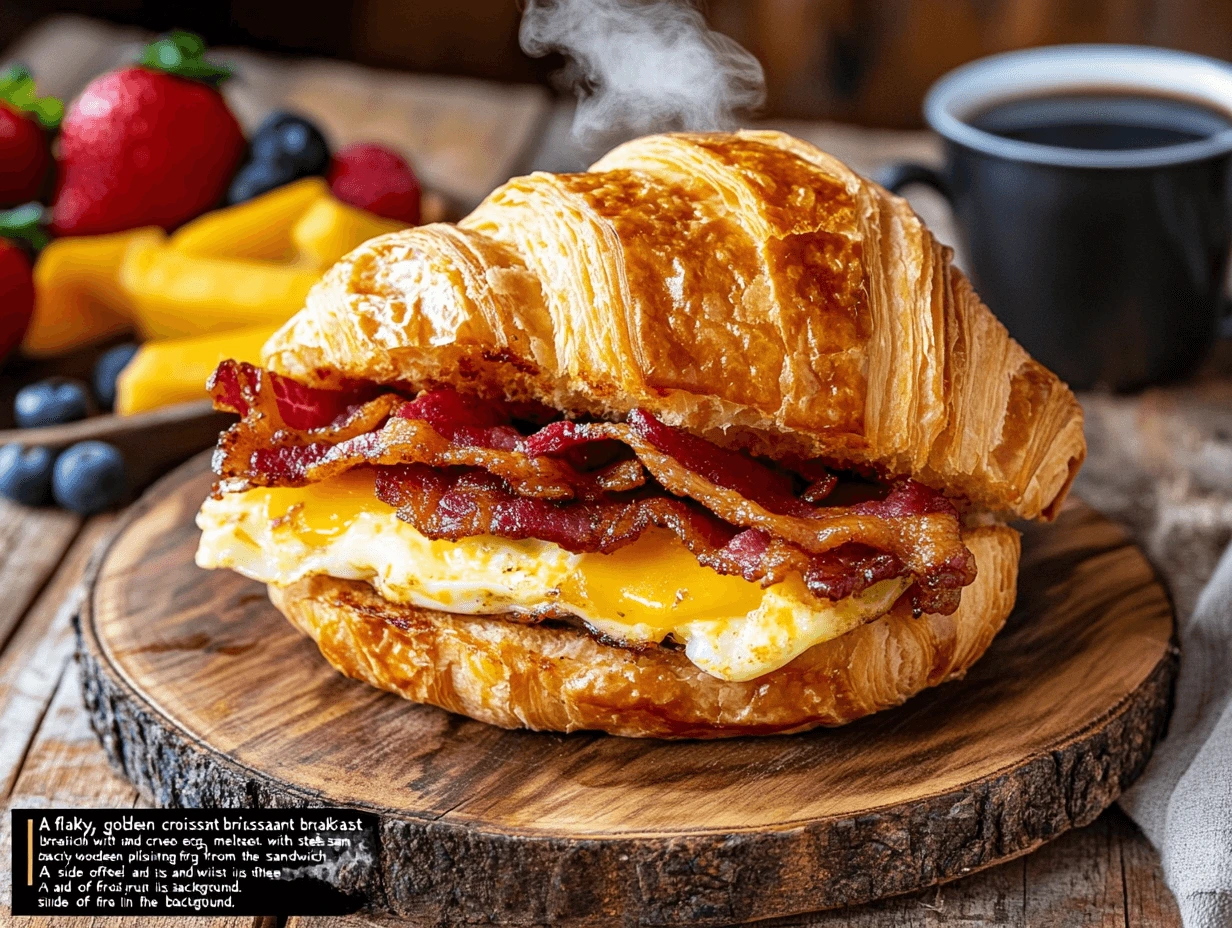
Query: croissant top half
x=747, y=287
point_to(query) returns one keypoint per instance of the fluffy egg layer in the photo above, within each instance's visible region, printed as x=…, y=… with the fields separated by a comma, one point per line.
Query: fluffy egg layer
x=731, y=628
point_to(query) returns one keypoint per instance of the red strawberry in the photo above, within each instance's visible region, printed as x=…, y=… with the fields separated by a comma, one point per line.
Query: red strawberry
x=16, y=295
x=19, y=230
x=148, y=145
x=377, y=179
x=25, y=121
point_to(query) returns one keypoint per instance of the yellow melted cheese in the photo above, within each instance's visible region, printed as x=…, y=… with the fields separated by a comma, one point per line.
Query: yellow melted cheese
x=731, y=628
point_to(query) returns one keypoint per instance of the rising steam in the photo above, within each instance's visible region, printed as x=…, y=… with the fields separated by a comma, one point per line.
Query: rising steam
x=640, y=66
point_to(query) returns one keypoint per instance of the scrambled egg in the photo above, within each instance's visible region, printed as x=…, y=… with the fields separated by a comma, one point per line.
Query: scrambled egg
x=731, y=628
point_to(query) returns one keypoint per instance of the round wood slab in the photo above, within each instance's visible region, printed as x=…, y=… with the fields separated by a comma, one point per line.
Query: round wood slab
x=205, y=696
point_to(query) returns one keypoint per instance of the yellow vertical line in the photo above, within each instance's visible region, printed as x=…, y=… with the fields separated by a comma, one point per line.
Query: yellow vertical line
x=29, y=852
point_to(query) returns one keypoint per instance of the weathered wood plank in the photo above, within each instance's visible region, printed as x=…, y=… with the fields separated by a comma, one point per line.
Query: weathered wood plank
x=991, y=899
x=1077, y=882
x=64, y=769
x=34, y=661
x=32, y=541
x=1148, y=902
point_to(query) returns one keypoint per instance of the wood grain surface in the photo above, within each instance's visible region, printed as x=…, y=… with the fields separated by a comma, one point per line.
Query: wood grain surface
x=205, y=696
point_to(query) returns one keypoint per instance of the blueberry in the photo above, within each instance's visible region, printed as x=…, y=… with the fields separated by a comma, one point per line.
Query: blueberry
x=89, y=477
x=53, y=401
x=292, y=136
x=267, y=148
x=257, y=178
x=284, y=148
x=107, y=369
x=25, y=474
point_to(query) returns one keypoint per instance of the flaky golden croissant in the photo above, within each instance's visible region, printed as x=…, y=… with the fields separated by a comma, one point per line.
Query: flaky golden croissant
x=749, y=291
x=748, y=287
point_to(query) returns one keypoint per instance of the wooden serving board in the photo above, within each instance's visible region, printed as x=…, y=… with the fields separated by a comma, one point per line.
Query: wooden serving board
x=204, y=696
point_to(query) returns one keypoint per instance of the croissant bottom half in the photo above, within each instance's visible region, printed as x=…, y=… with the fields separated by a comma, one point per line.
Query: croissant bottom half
x=515, y=675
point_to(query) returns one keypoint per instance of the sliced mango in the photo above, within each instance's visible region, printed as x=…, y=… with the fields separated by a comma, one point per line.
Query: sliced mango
x=259, y=229
x=175, y=370
x=78, y=297
x=329, y=229
x=174, y=294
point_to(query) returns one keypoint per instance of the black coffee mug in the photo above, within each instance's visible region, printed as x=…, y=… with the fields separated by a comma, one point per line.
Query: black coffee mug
x=1108, y=265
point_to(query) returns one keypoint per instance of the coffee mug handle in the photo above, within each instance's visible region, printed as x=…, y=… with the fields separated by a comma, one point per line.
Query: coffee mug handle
x=899, y=174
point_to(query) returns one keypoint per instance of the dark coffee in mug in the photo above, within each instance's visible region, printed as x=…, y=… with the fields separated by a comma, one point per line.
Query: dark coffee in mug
x=1103, y=122
x=1090, y=185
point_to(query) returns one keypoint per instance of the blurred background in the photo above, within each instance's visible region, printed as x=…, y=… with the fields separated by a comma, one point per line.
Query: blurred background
x=867, y=62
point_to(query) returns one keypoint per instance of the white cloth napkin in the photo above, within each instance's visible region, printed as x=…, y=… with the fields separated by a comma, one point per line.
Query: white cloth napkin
x=1183, y=801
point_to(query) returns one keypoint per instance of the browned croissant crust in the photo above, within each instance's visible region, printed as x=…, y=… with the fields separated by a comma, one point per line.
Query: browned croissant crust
x=746, y=286
x=561, y=679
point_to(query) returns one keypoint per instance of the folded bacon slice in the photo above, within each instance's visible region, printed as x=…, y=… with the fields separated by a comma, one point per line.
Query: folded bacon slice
x=461, y=503
x=240, y=387
x=409, y=441
x=915, y=524
x=729, y=469
x=464, y=420
x=442, y=428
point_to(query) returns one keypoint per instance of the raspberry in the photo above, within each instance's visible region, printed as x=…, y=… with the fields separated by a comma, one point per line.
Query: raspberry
x=377, y=179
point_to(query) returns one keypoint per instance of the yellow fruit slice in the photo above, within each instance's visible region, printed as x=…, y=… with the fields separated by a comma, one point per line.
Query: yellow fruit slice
x=259, y=229
x=329, y=229
x=175, y=294
x=78, y=298
x=175, y=370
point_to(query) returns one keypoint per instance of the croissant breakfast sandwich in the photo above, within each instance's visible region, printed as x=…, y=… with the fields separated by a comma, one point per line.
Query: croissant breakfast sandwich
x=710, y=440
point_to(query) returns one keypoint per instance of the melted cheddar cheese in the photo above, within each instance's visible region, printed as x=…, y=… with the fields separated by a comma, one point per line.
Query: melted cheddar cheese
x=731, y=628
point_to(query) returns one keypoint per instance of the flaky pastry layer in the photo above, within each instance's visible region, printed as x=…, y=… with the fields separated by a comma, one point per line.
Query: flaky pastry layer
x=747, y=287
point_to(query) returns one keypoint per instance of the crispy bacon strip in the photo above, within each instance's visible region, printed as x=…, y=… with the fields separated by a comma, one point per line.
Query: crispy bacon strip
x=239, y=387
x=441, y=428
x=834, y=575
x=729, y=469
x=411, y=441
x=459, y=503
x=464, y=420
x=916, y=525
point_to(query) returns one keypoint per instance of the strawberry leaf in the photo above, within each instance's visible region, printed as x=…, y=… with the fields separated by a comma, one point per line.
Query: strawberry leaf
x=18, y=91
x=25, y=224
x=183, y=54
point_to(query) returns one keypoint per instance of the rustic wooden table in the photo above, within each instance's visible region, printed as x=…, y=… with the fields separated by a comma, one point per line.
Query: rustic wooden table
x=1161, y=462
